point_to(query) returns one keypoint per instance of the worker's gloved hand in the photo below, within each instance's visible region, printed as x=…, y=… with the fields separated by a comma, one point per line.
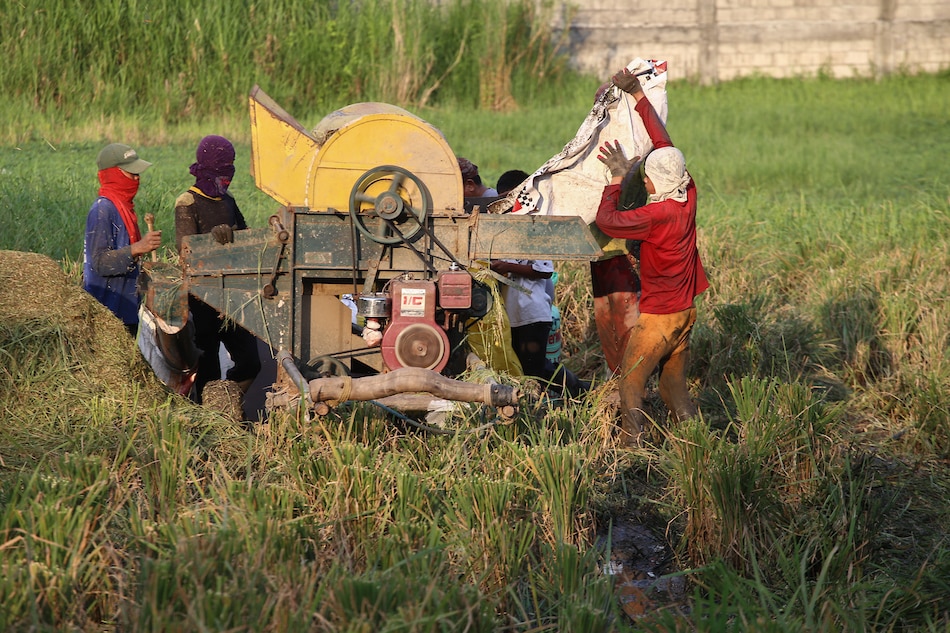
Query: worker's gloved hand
x=614, y=159
x=223, y=234
x=627, y=81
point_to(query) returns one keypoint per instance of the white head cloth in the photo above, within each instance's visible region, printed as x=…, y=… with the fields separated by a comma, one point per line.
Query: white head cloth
x=666, y=167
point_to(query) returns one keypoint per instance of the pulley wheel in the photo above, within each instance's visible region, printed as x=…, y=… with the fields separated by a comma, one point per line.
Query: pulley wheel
x=325, y=367
x=419, y=345
x=389, y=204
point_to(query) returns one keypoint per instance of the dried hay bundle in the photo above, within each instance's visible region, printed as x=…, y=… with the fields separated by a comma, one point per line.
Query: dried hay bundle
x=72, y=379
x=40, y=306
x=225, y=397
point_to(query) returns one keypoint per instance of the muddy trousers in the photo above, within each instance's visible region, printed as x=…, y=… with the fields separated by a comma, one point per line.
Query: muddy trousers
x=656, y=340
x=616, y=287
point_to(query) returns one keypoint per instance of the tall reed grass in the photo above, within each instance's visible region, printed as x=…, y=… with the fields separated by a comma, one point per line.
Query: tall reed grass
x=164, y=62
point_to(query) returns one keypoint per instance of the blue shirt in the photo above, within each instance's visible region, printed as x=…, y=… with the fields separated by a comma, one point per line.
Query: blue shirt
x=109, y=272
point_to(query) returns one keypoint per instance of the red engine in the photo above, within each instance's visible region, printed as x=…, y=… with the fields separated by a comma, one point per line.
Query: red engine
x=420, y=312
x=413, y=338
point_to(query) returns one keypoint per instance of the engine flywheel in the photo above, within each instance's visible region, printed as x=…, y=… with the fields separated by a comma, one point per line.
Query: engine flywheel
x=419, y=345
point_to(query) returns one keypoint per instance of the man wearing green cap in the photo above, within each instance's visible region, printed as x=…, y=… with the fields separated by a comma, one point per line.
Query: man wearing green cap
x=114, y=244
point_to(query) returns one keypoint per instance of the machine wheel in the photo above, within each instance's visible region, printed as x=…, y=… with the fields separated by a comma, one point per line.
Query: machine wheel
x=325, y=367
x=389, y=193
x=420, y=345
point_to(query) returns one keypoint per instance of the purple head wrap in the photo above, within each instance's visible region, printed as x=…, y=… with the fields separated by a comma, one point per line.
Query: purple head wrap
x=214, y=166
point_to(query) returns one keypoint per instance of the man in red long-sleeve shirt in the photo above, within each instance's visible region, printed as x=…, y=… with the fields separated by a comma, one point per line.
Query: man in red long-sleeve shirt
x=670, y=270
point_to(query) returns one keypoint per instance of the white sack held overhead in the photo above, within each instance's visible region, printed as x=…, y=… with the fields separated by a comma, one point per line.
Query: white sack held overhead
x=571, y=183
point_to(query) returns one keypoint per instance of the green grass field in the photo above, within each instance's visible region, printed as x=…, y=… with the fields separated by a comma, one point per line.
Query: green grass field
x=811, y=495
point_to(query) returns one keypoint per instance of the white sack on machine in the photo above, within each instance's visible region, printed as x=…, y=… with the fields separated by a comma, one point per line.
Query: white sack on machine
x=169, y=349
x=571, y=183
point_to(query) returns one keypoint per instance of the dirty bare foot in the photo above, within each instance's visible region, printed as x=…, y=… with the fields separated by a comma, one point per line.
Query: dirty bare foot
x=633, y=427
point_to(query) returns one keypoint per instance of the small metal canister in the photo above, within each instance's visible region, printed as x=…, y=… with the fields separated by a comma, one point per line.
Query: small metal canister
x=375, y=305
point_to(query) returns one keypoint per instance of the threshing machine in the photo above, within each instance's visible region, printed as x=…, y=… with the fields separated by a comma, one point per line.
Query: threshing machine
x=372, y=208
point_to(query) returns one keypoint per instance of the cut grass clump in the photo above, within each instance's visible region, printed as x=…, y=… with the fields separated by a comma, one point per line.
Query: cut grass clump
x=742, y=486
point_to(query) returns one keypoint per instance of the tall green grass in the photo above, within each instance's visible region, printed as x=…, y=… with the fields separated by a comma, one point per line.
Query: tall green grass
x=165, y=62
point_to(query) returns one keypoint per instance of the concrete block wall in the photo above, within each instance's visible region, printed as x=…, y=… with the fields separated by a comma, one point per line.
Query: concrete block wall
x=719, y=40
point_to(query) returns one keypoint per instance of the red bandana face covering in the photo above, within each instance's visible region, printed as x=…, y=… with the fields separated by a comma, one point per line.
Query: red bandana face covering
x=121, y=189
